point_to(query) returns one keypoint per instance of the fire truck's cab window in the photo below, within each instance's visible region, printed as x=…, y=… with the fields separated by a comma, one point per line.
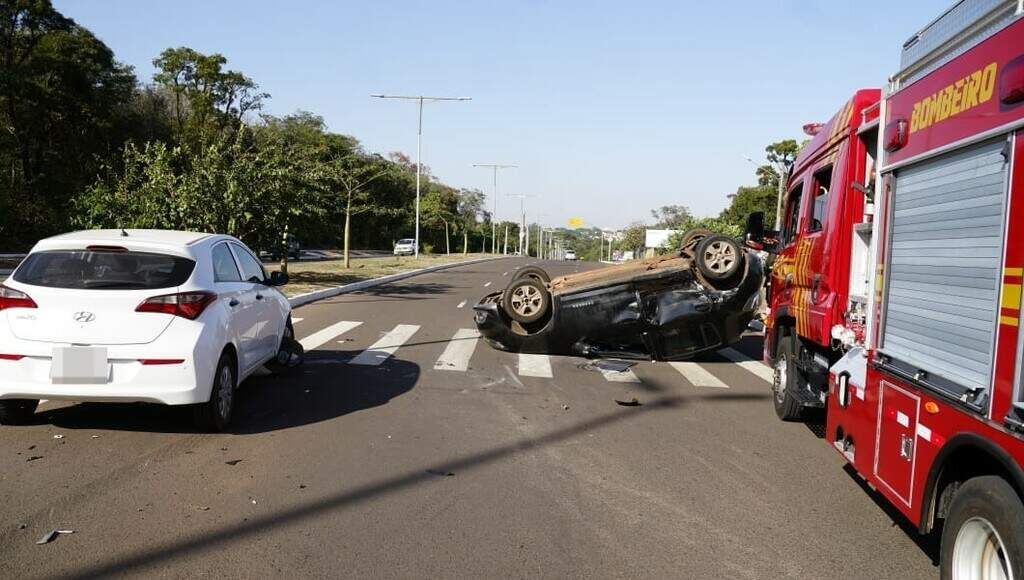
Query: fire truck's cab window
x=822, y=185
x=789, y=227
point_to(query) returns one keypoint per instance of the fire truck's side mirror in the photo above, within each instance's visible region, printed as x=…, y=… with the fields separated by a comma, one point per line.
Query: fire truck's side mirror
x=755, y=227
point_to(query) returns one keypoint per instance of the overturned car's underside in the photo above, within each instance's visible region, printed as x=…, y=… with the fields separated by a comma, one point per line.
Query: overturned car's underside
x=665, y=308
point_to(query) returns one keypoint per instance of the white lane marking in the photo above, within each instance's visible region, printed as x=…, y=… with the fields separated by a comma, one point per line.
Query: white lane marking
x=487, y=285
x=461, y=304
x=382, y=350
x=321, y=337
x=459, y=350
x=626, y=376
x=43, y=401
x=297, y=320
x=698, y=376
x=535, y=365
x=755, y=366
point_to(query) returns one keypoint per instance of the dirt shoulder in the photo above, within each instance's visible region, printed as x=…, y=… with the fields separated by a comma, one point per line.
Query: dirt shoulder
x=309, y=276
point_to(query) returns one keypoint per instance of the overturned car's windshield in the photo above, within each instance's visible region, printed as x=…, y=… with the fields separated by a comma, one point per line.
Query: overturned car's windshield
x=104, y=270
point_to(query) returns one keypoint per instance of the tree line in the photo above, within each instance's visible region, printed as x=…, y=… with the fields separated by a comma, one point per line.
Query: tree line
x=86, y=144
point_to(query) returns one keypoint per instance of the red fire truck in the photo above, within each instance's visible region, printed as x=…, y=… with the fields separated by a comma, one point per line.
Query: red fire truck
x=895, y=293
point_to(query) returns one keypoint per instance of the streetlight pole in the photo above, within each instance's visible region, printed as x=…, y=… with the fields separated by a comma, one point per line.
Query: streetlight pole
x=419, y=146
x=494, y=217
x=522, y=228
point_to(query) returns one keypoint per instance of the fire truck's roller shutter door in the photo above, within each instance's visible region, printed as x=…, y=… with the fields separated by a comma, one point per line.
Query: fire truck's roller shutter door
x=944, y=265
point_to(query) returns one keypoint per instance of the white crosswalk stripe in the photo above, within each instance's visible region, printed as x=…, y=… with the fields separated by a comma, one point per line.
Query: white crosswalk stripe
x=321, y=337
x=626, y=376
x=459, y=350
x=384, y=348
x=697, y=375
x=535, y=365
x=757, y=367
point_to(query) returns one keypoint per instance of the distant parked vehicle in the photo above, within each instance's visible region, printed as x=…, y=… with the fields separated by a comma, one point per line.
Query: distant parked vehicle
x=405, y=247
x=570, y=255
x=177, y=318
x=294, y=249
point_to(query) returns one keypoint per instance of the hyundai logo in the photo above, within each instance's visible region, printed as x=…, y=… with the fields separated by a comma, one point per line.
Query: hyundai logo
x=84, y=317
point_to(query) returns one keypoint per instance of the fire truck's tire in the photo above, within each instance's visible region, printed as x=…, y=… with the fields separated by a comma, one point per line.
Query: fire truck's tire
x=719, y=257
x=532, y=272
x=984, y=531
x=786, y=379
x=526, y=300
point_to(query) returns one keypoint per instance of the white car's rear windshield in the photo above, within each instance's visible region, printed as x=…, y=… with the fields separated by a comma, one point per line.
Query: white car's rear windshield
x=406, y=242
x=104, y=270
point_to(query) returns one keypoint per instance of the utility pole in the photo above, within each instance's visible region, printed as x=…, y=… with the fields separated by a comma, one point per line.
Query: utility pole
x=494, y=217
x=419, y=146
x=505, y=249
x=522, y=212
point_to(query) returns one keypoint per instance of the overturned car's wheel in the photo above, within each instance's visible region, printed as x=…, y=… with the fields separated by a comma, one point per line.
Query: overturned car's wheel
x=692, y=238
x=526, y=300
x=719, y=257
x=532, y=272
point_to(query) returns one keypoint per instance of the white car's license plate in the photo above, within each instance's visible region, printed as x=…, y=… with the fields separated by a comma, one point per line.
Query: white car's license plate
x=79, y=365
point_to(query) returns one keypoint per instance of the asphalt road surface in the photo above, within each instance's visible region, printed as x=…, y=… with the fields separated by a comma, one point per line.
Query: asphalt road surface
x=407, y=448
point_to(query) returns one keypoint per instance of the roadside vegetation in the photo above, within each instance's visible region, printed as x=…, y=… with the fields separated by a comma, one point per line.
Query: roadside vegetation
x=87, y=144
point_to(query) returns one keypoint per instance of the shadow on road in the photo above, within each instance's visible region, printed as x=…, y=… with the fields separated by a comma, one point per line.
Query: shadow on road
x=312, y=393
x=243, y=531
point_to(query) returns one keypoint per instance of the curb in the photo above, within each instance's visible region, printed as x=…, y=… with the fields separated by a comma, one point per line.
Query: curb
x=309, y=297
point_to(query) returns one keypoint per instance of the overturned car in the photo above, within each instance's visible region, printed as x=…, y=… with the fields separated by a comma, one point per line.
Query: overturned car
x=666, y=308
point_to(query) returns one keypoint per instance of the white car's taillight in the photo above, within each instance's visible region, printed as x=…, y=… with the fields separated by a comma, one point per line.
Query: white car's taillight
x=185, y=304
x=10, y=298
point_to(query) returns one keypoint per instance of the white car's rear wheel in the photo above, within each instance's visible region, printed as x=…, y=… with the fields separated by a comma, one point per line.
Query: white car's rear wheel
x=17, y=411
x=215, y=414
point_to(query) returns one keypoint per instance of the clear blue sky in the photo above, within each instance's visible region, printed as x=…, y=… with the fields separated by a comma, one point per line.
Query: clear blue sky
x=610, y=108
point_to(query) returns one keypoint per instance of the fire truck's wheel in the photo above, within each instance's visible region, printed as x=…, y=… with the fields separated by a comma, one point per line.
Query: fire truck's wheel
x=719, y=257
x=983, y=536
x=786, y=378
x=526, y=300
x=532, y=272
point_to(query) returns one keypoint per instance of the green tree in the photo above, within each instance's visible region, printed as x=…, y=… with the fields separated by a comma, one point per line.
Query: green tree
x=61, y=96
x=671, y=217
x=439, y=206
x=470, y=207
x=634, y=238
x=207, y=98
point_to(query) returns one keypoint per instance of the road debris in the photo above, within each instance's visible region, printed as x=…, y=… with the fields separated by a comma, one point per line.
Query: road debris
x=302, y=486
x=33, y=458
x=565, y=407
x=632, y=402
x=58, y=436
x=52, y=535
x=204, y=508
x=253, y=500
x=233, y=461
x=440, y=472
x=95, y=436
x=22, y=526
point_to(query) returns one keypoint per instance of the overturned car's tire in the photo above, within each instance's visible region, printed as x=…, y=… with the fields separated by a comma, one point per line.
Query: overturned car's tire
x=532, y=272
x=526, y=300
x=719, y=257
x=692, y=238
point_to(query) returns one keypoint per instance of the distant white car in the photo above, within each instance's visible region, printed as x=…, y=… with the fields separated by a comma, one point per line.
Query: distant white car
x=570, y=255
x=405, y=247
x=177, y=318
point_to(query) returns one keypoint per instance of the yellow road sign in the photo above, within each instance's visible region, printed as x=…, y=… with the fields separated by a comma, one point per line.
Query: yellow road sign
x=575, y=223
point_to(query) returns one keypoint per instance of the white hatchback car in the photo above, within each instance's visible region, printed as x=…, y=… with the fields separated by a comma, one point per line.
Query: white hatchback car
x=168, y=317
x=405, y=247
